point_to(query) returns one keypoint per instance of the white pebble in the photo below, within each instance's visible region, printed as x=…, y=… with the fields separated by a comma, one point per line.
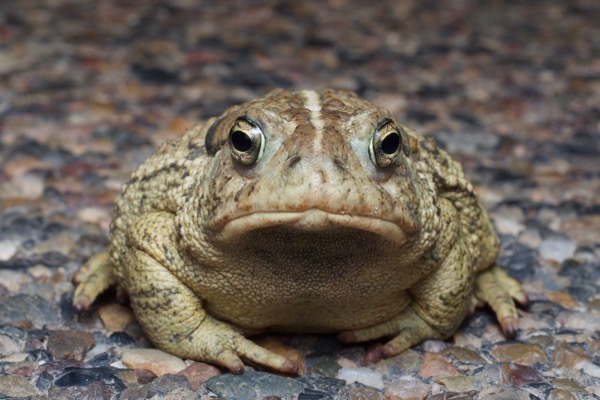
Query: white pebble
x=365, y=376
x=8, y=248
x=157, y=361
x=589, y=368
x=557, y=248
x=13, y=280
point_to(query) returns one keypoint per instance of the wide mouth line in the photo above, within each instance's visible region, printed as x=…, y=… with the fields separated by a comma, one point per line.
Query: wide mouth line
x=310, y=220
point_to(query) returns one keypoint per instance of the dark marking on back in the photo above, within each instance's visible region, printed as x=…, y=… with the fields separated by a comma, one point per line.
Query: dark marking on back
x=195, y=152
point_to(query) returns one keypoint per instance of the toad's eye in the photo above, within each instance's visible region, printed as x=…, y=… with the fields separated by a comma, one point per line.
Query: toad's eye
x=385, y=145
x=246, y=141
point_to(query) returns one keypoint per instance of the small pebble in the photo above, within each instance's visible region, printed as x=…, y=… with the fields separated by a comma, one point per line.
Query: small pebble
x=154, y=360
x=406, y=388
x=588, y=368
x=467, y=340
x=557, y=248
x=357, y=391
x=23, y=164
x=332, y=386
x=93, y=391
x=198, y=373
x=509, y=220
x=594, y=391
x=328, y=368
x=116, y=317
x=583, y=228
x=14, y=386
x=463, y=383
x=15, y=358
x=519, y=353
x=144, y=376
x=465, y=355
x=71, y=345
x=8, y=248
x=13, y=280
x=77, y=376
x=9, y=346
x=405, y=363
x=565, y=356
x=27, y=186
x=437, y=366
x=560, y=394
x=121, y=339
x=455, y=396
x=40, y=273
x=568, y=384
x=35, y=309
x=562, y=298
x=44, y=381
x=95, y=215
x=579, y=321
x=171, y=386
x=347, y=363
x=434, y=346
x=503, y=393
x=365, y=376
x=101, y=359
x=519, y=375
x=253, y=385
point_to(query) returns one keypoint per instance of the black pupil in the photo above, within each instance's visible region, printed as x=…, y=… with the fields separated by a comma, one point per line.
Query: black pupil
x=241, y=141
x=390, y=143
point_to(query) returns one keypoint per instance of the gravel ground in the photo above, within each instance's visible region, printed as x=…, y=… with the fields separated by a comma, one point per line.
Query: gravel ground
x=88, y=89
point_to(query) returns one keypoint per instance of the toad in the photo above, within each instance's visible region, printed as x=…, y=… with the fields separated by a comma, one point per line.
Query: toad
x=305, y=211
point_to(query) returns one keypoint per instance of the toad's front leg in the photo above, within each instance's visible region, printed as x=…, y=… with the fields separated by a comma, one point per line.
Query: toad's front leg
x=438, y=306
x=171, y=314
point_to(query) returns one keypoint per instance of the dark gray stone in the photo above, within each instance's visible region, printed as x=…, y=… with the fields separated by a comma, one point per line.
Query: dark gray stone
x=86, y=376
x=167, y=383
x=253, y=385
x=174, y=386
x=33, y=308
x=122, y=339
x=44, y=381
x=331, y=386
x=93, y=391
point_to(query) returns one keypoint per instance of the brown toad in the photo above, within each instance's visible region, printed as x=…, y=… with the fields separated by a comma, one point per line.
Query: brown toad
x=300, y=212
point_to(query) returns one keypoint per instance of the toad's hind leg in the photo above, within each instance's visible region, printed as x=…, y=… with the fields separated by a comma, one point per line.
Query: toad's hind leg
x=496, y=288
x=94, y=277
x=438, y=306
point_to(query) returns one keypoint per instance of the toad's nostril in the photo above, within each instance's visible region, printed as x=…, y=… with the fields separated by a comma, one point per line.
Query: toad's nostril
x=339, y=163
x=293, y=160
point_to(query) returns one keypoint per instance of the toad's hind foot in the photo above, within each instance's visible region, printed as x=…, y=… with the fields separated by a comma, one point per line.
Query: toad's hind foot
x=94, y=277
x=496, y=288
x=408, y=329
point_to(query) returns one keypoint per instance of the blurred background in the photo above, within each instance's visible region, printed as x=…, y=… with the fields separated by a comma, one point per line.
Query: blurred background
x=89, y=89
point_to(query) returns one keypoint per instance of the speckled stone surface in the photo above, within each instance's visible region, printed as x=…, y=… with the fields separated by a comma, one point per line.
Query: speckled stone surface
x=88, y=89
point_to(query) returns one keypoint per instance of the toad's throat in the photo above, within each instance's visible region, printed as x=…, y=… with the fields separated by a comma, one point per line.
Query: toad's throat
x=311, y=220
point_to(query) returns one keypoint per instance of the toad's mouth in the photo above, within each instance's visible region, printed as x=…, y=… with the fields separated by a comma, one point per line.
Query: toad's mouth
x=312, y=220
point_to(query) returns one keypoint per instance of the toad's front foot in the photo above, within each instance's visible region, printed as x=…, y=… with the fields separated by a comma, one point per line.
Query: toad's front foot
x=496, y=288
x=217, y=342
x=93, y=278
